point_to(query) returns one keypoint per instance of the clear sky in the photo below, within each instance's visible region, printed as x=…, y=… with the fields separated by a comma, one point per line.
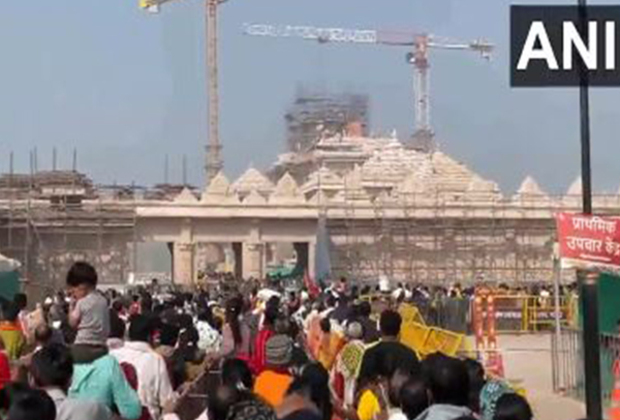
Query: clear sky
x=126, y=88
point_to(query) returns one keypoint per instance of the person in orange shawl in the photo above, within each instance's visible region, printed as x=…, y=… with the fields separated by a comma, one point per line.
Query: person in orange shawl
x=11, y=333
x=330, y=345
x=271, y=385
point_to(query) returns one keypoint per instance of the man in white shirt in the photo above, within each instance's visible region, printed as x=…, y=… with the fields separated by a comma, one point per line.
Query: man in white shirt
x=154, y=388
x=52, y=369
x=384, y=284
x=398, y=291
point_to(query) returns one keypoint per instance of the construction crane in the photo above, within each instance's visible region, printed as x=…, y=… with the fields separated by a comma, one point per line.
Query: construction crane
x=420, y=42
x=213, y=161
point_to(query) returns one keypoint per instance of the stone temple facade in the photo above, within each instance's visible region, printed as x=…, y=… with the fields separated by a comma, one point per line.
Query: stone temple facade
x=411, y=215
x=390, y=211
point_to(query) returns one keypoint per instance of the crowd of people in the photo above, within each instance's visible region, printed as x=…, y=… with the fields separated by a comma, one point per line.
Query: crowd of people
x=319, y=355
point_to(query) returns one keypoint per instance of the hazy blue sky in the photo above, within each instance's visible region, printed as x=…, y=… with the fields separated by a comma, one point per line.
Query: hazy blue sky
x=126, y=88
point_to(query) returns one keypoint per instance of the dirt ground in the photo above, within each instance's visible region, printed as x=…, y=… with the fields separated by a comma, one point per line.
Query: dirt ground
x=527, y=358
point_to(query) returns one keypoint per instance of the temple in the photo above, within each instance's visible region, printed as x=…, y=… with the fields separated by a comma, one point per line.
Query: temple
x=389, y=210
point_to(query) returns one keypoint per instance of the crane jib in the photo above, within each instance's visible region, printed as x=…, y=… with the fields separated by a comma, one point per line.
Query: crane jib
x=361, y=36
x=418, y=43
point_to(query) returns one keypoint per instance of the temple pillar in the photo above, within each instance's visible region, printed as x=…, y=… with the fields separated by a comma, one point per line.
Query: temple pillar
x=183, y=255
x=253, y=253
x=312, y=259
x=253, y=261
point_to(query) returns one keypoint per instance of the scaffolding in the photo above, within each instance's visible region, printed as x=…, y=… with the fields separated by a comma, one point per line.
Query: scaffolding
x=427, y=243
x=439, y=235
x=314, y=112
x=54, y=219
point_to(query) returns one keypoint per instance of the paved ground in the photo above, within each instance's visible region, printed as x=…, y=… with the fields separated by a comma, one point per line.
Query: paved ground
x=528, y=358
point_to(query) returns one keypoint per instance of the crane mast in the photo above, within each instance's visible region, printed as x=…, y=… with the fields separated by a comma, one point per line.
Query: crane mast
x=421, y=91
x=213, y=160
x=419, y=57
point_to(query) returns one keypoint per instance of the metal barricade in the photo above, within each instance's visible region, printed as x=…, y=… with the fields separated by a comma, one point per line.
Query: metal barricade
x=447, y=313
x=610, y=354
x=567, y=363
x=456, y=315
x=541, y=313
x=511, y=313
x=524, y=314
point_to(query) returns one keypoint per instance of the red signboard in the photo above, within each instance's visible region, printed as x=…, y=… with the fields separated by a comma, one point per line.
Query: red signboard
x=589, y=240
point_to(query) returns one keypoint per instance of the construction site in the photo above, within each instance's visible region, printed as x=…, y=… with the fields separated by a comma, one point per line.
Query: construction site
x=401, y=209
x=51, y=218
x=390, y=211
x=397, y=209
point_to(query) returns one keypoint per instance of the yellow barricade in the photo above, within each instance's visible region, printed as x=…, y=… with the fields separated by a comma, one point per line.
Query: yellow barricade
x=426, y=340
x=414, y=336
x=443, y=341
x=410, y=313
